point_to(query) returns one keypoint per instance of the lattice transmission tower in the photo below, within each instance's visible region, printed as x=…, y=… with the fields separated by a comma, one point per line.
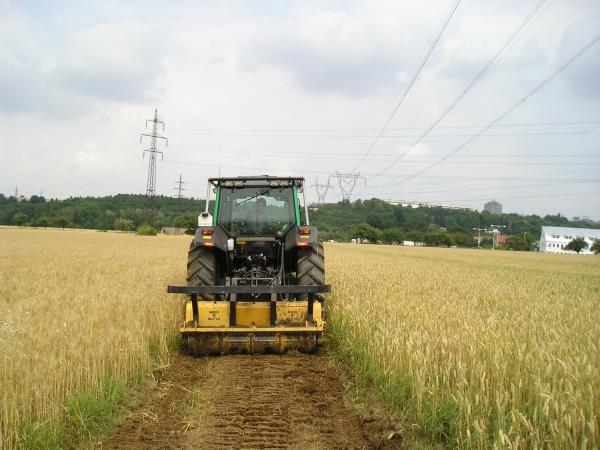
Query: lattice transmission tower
x=321, y=190
x=347, y=182
x=152, y=152
x=179, y=187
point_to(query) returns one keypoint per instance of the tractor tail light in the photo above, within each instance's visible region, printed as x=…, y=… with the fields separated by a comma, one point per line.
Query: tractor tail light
x=304, y=232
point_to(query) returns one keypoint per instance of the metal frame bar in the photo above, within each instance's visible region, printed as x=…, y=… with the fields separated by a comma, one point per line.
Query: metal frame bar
x=287, y=329
x=265, y=289
x=208, y=186
x=305, y=208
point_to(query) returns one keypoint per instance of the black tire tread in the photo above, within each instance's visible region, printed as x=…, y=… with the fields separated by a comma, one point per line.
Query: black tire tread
x=201, y=268
x=311, y=266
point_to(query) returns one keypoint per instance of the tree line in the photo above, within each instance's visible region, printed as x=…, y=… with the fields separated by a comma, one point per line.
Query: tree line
x=379, y=221
x=374, y=220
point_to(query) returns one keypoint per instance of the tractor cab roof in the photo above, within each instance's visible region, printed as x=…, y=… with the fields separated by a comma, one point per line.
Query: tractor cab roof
x=257, y=181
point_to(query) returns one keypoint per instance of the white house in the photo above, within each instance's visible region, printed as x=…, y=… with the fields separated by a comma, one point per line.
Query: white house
x=555, y=239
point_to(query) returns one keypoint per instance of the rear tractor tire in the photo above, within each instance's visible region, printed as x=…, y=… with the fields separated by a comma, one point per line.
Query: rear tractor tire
x=311, y=267
x=201, y=268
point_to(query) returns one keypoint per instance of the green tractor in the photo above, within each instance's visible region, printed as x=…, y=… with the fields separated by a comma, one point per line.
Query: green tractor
x=255, y=271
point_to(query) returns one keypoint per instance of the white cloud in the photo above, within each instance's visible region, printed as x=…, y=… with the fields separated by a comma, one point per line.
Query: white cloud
x=70, y=75
x=350, y=51
x=121, y=62
x=78, y=81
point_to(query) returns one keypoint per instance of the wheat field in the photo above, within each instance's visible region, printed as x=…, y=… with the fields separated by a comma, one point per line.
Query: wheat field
x=477, y=349
x=77, y=307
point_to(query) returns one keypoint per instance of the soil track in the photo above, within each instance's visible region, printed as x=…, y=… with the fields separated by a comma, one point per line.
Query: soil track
x=250, y=402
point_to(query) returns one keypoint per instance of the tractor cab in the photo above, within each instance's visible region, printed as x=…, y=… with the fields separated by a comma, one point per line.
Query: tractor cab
x=257, y=210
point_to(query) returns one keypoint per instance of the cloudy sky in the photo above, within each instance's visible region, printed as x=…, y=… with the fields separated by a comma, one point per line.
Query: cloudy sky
x=304, y=88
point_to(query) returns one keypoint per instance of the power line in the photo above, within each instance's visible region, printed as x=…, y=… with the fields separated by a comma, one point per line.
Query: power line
x=464, y=160
x=509, y=110
x=434, y=177
x=484, y=70
x=410, y=84
x=519, y=197
x=338, y=155
x=489, y=188
x=421, y=136
x=245, y=131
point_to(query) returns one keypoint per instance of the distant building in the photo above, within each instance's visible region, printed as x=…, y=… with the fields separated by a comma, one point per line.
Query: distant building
x=493, y=207
x=414, y=204
x=555, y=239
x=501, y=239
x=173, y=231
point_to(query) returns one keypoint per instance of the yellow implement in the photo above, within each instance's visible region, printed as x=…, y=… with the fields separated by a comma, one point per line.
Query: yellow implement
x=215, y=327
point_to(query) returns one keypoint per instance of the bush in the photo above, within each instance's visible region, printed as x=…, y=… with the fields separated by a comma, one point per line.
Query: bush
x=123, y=224
x=146, y=230
x=19, y=219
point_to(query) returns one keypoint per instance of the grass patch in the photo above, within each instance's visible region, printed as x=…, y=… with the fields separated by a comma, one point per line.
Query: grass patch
x=193, y=399
x=89, y=416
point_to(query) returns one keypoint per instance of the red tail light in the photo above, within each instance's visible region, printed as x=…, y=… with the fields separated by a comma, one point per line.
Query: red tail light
x=304, y=231
x=208, y=232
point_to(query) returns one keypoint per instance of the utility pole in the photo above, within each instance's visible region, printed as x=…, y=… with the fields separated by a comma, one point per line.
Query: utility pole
x=16, y=192
x=347, y=182
x=479, y=230
x=152, y=151
x=179, y=188
x=321, y=190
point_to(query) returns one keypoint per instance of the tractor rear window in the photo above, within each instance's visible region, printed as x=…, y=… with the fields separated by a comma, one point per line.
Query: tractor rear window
x=256, y=210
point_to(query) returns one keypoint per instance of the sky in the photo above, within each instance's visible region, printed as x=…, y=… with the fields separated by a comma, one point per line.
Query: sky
x=305, y=88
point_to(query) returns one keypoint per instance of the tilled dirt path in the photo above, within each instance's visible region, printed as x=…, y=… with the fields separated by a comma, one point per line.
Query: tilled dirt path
x=250, y=402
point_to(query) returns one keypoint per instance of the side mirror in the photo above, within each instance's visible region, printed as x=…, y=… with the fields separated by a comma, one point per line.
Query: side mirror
x=204, y=220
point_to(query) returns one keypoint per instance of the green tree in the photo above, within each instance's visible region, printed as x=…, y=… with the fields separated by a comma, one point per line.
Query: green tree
x=146, y=230
x=43, y=221
x=61, y=222
x=517, y=243
x=366, y=231
x=19, y=219
x=36, y=199
x=187, y=221
x=436, y=238
x=596, y=247
x=392, y=236
x=577, y=245
x=123, y=224
x=463, y=239
x=415, y=235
